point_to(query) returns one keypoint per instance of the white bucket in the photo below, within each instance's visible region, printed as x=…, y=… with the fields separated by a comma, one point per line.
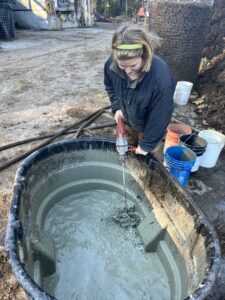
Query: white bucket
x=182, y=92
x=197, y=163
x=215, y=142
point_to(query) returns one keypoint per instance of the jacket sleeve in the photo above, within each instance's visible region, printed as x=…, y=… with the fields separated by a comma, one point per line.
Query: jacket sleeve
x=109, y=88
x=158, y=118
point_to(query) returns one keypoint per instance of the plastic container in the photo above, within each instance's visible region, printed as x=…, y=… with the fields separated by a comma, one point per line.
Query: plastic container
x=197, y=145
x=182, y=92
x=174, y=131
x=70, y=166
x=180, y=161
x=215, y=143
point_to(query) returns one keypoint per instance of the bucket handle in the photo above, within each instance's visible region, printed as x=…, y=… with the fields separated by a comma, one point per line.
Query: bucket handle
x=193, y=134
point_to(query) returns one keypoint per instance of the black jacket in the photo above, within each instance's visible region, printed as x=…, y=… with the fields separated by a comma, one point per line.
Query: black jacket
x=146, y=103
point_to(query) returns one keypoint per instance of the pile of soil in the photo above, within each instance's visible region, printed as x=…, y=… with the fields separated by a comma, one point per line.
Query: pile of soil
x=211, y=79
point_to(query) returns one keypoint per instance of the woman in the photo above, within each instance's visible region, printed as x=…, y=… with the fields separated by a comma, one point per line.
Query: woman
x=140, y=85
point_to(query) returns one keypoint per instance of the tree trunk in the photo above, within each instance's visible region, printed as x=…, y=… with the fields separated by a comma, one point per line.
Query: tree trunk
x=105, y=8
x=121, y=7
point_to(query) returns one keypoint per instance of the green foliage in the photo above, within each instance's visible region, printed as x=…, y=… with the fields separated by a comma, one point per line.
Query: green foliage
x=119, y=7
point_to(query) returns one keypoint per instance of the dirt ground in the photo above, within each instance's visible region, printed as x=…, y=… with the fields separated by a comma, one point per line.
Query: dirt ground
x=211, y=80
x=48, y=80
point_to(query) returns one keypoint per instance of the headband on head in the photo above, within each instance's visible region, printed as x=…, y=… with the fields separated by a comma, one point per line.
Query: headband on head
x=129, y=46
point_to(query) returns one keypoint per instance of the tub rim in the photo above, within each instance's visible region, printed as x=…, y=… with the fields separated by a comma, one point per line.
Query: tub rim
x=32, y=289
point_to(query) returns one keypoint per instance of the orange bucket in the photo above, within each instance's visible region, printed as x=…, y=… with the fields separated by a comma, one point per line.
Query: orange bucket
x=174, y=131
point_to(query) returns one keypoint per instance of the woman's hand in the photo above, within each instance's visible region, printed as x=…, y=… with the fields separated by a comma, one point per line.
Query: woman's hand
x=140, y=151
x=118, y=114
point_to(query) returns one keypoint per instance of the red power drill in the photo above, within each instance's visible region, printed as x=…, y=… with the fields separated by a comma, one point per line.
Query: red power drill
x=121, y=139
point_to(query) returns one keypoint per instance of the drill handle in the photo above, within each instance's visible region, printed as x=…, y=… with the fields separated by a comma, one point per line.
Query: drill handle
x=120, y=130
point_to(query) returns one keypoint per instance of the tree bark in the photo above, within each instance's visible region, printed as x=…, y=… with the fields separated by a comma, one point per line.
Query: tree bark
x=105, y=8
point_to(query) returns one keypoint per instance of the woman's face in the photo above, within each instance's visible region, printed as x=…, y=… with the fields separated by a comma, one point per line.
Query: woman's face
x=132, y=67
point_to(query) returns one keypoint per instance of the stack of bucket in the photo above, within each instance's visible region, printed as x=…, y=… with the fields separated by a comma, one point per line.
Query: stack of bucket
x=180, y=161
x=197, y=145
x=184, y=152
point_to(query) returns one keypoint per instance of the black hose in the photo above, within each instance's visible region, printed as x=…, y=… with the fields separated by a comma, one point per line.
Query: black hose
x=42, y=137
x=87, y=121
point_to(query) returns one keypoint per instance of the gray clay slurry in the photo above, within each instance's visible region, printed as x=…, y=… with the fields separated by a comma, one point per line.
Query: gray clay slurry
x=95, y=257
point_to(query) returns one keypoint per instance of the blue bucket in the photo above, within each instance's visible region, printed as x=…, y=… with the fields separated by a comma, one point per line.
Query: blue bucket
x=180, y=161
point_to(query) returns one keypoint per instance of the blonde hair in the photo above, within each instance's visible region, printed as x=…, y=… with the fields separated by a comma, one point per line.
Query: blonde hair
x=135, y=35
